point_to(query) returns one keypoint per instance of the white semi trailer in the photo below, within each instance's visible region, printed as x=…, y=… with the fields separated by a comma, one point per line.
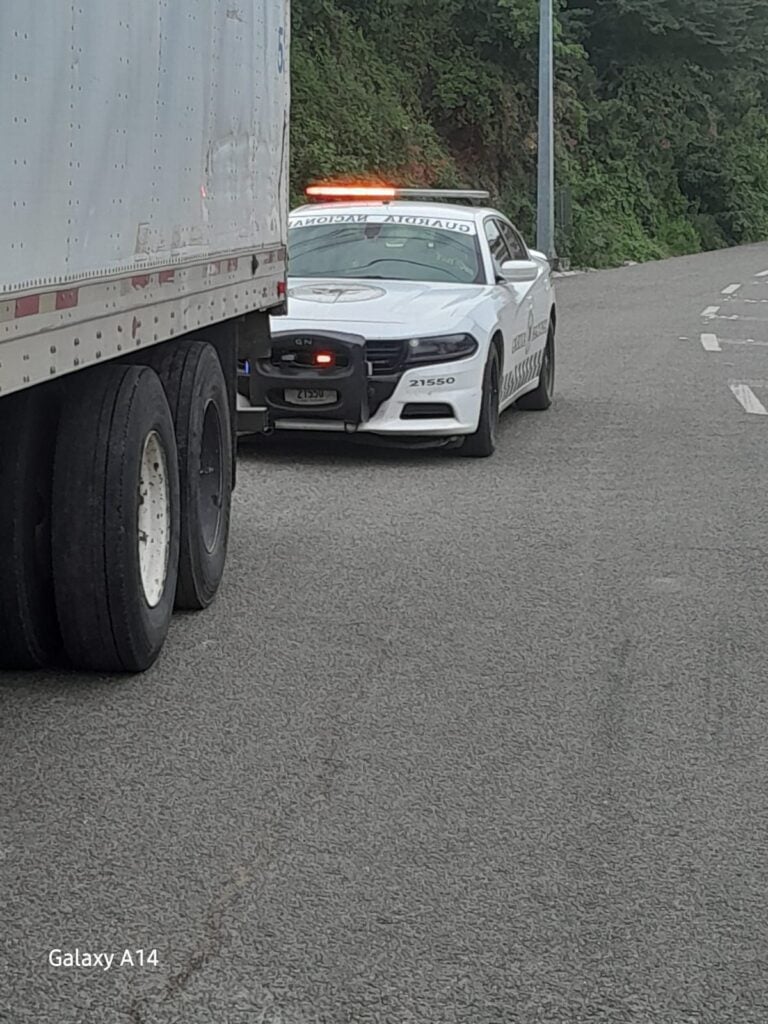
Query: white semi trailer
x=143, y=218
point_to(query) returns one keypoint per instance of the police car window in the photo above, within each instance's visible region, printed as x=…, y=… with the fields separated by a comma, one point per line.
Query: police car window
x=496, y=243
x=371, y=249
x=514, y=241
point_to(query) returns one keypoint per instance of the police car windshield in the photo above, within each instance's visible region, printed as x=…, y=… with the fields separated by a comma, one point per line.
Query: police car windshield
x=385, y=248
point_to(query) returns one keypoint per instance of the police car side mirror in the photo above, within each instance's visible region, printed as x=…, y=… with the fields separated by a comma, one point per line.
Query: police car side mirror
x=519, y=270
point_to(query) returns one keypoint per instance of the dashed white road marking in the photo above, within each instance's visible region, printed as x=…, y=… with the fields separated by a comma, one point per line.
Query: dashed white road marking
x=736, y=316
x=763, y=273
x=731, y=289
x=748, y=400
x=710, y=310
x=741, y=341
x=710, y=343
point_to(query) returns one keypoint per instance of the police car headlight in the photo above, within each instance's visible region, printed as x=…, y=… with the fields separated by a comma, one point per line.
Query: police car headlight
x=441, y=350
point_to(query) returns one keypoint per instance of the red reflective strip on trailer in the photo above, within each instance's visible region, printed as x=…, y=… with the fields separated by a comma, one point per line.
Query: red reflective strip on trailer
x=67, y=299
x=214, y=269
x=166, y=276
x=140, y=282
x=28, y=306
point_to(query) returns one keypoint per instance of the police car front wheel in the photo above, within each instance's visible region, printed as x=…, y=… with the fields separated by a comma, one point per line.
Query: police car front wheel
x=482, y=443
x=541, y=398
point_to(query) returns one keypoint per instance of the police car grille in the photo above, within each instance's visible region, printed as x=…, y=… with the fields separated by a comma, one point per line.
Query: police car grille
x=384, y=356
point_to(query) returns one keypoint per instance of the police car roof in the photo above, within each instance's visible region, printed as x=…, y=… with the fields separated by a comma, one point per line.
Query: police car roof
x=407, y=207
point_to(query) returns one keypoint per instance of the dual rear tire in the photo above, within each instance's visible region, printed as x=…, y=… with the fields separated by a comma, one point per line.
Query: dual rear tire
x=29, y=634
x=197, y=394
x=116, y=513
x=117, y=491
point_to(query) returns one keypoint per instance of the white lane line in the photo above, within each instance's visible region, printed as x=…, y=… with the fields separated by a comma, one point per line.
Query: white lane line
x=741, y=341
x=709, y=342
x=737, y=316
x=731, y=289
x=749, y=401
x=763, y=273
x=710, y=311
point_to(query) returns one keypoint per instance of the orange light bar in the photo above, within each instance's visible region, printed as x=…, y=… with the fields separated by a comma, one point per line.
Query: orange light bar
x=351, y=192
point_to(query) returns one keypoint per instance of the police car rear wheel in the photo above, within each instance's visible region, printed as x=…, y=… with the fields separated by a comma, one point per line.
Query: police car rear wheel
x=482, y=443
x=541, y=398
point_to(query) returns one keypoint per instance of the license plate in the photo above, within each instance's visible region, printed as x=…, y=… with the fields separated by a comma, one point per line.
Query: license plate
x=310, y=396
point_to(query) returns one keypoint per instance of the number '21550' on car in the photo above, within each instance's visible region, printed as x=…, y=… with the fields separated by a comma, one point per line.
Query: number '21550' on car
x=408, y=318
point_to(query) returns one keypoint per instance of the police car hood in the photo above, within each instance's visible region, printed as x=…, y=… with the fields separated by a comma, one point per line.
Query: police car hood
x=387, y=307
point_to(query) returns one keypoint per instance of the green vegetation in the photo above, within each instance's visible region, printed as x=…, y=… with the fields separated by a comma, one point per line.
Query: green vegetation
x=662, y=114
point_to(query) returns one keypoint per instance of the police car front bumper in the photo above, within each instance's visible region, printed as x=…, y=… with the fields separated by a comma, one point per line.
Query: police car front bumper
x=356, y=397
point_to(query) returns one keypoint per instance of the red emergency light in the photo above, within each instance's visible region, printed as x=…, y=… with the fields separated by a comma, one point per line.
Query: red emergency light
x=324, y=359
x=387, y=193
x=351, y=192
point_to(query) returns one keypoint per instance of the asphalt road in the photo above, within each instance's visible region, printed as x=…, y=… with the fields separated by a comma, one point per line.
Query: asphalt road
x=480, y=742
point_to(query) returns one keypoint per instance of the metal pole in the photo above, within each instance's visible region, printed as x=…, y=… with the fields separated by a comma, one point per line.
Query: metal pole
x=545, y=214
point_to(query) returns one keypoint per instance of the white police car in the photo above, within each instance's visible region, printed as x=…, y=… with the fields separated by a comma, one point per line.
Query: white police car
x=408, y=319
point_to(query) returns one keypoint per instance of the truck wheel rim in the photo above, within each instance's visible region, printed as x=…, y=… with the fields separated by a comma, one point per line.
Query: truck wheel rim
x=209, y=492
x=154, y=519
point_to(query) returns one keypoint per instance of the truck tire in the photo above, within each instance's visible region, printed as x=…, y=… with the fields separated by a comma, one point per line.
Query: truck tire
x=29, y=630
x=115, y=519
x=197, y=393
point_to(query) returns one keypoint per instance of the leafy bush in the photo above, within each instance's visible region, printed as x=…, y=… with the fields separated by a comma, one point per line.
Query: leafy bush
x=662, y=134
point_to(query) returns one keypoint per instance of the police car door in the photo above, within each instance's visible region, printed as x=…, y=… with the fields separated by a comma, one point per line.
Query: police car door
x=535, y=306
x=512, y=310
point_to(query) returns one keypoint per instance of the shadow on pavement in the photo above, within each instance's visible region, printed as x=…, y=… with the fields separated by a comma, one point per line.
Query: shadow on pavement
x=332, y=451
